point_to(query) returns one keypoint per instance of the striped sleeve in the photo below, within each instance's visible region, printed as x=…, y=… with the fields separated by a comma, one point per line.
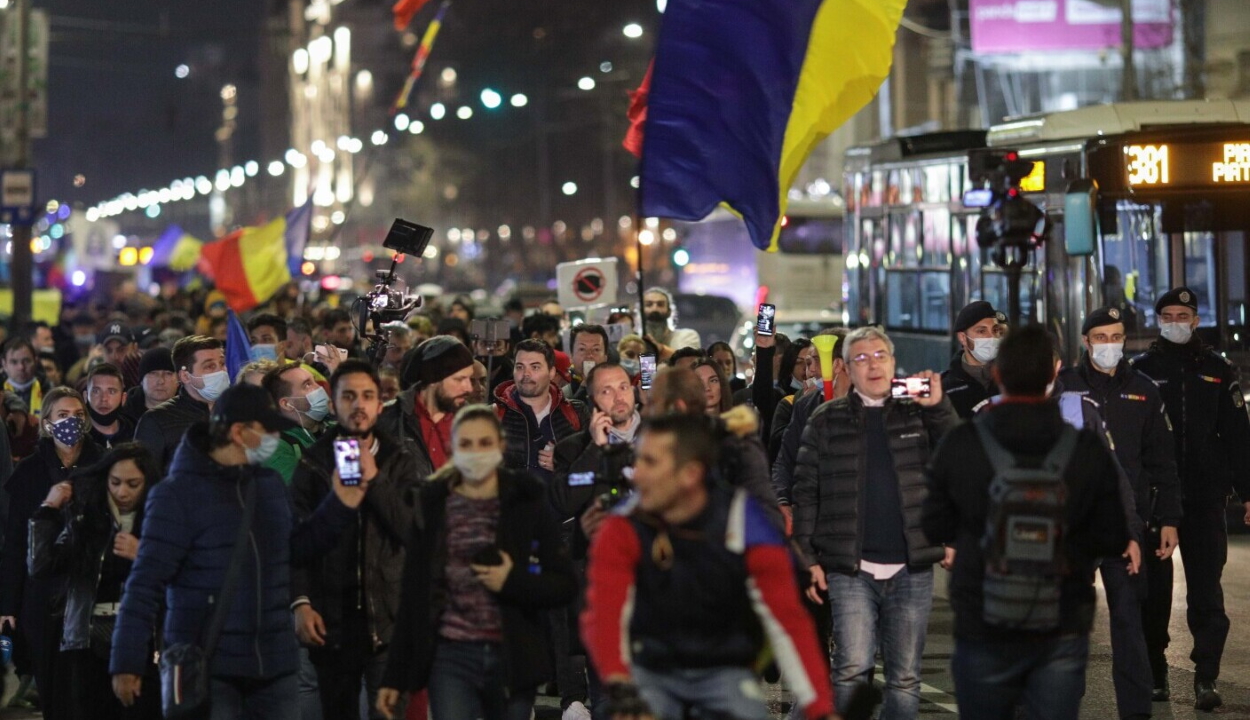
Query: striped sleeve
x=611, y=575
x=774, y=596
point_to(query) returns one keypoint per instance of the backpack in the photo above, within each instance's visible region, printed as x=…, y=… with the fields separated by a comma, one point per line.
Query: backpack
x=1024, y=532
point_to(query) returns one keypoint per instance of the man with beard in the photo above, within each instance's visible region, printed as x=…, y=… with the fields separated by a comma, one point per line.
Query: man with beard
x=660, y=325
x=439, y=376
x=967, y=382
x=535, y=414
x=109, y=426
x=346, y=604
x=158, y=382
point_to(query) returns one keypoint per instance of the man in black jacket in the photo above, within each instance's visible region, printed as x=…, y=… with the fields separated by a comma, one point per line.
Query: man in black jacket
x=158, y=382
x=201, y=364
x=858, y=489
x=968, y=382
x=105, y=393
x=1132, y=411
x=535, y=413
x=438, y=377
x=345, y=604
x=997, y=667
x=1211, y=430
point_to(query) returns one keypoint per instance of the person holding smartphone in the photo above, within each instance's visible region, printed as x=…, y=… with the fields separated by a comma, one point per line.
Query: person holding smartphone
x=347, y=603
x=484, y=565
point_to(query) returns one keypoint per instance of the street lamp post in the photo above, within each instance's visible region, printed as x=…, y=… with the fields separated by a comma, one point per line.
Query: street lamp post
x=23, y=260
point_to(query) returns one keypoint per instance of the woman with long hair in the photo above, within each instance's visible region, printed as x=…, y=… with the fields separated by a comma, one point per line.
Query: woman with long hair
x=724, y=356
x=715, y=386
x=90, y=535
x=484, y=565
x=33, y=606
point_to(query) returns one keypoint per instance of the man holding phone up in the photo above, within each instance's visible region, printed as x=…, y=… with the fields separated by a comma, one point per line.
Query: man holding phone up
x=345, y=604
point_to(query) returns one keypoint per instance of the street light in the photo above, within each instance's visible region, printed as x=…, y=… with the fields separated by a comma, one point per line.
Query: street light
x=633, y=31
x=491, y=99
x=401, y=122
x=569, y=188
x=465, y=112
x=276, y=168
x=587, y=83
x=520, y=100
x=182, y=71
x=417, y=127
x=438, y=111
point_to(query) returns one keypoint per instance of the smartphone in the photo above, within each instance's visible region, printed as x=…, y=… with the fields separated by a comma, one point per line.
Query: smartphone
x=324, y=351
x=647, y=361
x=487, y=556
x=912, y=387
x=766, y=321
x=347, y=459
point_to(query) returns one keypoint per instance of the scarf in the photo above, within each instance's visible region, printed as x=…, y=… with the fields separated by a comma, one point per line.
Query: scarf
x=36, y=394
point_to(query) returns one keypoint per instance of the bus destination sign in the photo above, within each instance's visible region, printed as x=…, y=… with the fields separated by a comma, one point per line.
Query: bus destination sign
x=1187, y=165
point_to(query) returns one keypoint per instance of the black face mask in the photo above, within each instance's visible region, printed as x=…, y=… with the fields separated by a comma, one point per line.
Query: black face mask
x=104, y=420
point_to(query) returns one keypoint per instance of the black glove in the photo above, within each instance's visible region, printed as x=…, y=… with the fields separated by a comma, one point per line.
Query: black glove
x=623, y=699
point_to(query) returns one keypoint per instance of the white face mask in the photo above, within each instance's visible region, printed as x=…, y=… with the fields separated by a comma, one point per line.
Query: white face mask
x=477, y=466
x=214, y=384
x=1107, y=355
x=985, y=349
x=1178, y=333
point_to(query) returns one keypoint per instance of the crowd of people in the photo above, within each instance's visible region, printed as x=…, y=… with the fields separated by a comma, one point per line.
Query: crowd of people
x=453, y=523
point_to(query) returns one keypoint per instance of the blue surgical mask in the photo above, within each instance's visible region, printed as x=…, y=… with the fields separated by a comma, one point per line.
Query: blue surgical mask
x=263, y=352
x=214, y=384
x=318, y=404
x=261, y=453
x=633, y=367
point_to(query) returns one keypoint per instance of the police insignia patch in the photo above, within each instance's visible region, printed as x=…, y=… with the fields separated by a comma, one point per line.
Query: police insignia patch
x=1239, y=400
x=1115, y=314
x=1000, y=317
x=1184, y=297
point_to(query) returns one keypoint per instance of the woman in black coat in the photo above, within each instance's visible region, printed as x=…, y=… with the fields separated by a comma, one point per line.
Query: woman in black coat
x=484, y=565
x=33, y=606
x=89, y=532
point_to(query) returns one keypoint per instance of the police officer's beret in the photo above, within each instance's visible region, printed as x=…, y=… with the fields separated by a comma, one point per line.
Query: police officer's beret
x=1178, y=296
x=974, y=313
x=1100, y=317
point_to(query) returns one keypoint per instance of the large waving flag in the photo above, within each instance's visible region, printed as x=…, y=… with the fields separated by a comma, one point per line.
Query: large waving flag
x=742, y=90
x=238, y=347
x=251, y=264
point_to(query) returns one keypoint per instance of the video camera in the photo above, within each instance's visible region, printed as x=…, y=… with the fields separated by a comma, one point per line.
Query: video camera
x=385, y=304
x=1009, y=225
x=615, y=471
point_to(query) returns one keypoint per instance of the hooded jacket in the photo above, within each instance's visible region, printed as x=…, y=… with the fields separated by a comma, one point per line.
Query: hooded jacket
x=190, y=524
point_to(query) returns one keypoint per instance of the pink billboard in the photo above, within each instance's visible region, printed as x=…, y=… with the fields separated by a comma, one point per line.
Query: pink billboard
x=1022, y=26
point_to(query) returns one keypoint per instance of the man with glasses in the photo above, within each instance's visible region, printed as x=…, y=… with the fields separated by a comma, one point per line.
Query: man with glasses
x=1212, y=432
x=968, y=382
x=858, y=491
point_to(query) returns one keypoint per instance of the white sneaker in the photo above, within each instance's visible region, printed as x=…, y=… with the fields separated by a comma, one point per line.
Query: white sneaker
x=576, y=711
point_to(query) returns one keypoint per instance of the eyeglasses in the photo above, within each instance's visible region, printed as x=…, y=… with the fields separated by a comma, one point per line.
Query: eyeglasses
x=879, y=356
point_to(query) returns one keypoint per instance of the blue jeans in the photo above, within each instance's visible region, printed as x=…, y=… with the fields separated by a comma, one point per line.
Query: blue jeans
x=255, y=699
x=892, y=615
x=721, y=693
x=467, y=680
x=1047, y=677
x=309, y=696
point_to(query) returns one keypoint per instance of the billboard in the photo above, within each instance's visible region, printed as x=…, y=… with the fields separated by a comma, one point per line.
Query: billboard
x=1022, y=26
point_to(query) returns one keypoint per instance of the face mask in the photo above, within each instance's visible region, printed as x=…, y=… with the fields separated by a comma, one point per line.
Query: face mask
x=263, y=352
x=261, y=453
x=318, y=404
x=1107, y=355
x=102, y=419
x=985, y=349
x=477, y=466
x=67, y=431
x=633, y=367
x=214, y=384
x=814, y=383
x=1178, y=333
x=796, y=384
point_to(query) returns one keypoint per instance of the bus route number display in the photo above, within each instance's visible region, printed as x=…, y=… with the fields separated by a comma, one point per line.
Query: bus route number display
x=1178, y=165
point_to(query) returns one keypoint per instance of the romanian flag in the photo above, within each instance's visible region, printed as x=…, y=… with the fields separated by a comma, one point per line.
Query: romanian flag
x=422, y=56
x=404, y=11
x=251, y=264
x=238, y=347
x=176, y=250
x=742, y=90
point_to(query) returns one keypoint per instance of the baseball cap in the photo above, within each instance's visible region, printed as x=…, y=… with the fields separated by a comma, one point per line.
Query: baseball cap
x=244, y=403
x=115, y=331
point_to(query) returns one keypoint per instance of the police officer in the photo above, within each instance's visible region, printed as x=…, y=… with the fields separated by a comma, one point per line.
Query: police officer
x=1133, y=414
x=1212, y=435
x=978, y=328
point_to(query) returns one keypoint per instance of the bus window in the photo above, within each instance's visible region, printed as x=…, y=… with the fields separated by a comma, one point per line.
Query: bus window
x=1200, y=273
x=1235, y=270
x=1134, y=265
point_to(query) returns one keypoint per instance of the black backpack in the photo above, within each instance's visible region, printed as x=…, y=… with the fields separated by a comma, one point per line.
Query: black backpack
x=1024, y=533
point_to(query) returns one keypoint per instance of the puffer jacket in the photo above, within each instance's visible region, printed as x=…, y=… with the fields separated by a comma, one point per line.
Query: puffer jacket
x=830, y=473
x=190, y=524
x=385, y=518
x=74, y=542
x=161, y=428
x=524, y=436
